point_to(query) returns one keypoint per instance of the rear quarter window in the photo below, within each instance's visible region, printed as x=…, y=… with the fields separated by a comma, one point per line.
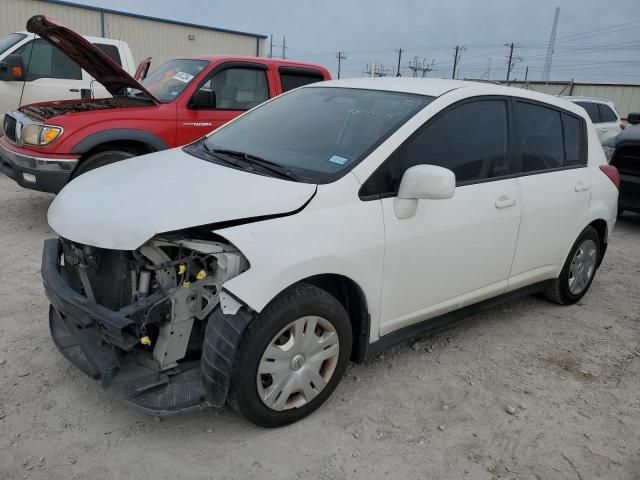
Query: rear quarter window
x=606, y=114
x=592, y=110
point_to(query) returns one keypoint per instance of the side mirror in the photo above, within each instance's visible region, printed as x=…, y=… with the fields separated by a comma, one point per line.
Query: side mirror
x=12, y=68
x=420, y=182
x=203, y=100
x=633, y=118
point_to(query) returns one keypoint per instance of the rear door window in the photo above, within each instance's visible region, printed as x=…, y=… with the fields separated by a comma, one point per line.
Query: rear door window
x=540, y=138
x=110, y=51
x=43, y=60
x=606, y=114
x=592, y=110
x=291, y=78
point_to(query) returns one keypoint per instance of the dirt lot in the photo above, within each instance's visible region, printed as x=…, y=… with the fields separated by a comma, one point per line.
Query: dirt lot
x=530, y=391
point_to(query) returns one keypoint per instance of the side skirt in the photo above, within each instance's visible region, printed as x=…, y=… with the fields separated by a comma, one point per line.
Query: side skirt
x=444, y=321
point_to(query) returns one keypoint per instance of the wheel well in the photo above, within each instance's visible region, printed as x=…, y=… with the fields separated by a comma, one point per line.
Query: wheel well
x=601, y=227
x=352, y=298
x=132, y=146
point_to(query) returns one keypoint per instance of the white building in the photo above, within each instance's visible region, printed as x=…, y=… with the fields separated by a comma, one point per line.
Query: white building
x=159, y=38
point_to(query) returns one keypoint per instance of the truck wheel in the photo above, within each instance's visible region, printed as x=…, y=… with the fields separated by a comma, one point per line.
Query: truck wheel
x=578, y=271
x=291, y=357
x=101, y=159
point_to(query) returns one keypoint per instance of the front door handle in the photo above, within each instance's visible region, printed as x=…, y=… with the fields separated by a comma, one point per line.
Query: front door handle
x=504, y=202
x=581, y=187
x=605, y=130
x=74, y=90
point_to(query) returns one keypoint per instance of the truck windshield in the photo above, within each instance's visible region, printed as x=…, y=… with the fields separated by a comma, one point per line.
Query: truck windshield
x=169, y=80
x=9, y=41
x=318, y=133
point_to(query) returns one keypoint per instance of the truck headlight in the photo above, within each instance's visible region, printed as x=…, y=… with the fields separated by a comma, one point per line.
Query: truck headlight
x=40, y=135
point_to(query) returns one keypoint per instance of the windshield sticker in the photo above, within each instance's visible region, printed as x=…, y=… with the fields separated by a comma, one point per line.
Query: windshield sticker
x=371, y=114
x=183, y=77
x=337, y=159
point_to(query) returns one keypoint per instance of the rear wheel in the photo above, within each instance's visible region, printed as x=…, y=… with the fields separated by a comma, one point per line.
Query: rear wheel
x=291, y=357
x=101, y=159
x=578, y=271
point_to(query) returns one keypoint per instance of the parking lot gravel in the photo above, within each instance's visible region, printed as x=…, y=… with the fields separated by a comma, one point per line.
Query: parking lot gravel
x=528, y=391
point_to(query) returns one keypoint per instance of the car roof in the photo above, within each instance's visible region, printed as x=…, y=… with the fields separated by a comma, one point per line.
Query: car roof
x=436, y=87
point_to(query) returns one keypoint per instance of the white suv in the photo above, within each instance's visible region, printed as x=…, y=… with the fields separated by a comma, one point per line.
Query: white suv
x=603, y=114
x=249, y=267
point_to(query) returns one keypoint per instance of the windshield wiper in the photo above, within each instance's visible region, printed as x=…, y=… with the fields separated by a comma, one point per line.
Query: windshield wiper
x=254, y=159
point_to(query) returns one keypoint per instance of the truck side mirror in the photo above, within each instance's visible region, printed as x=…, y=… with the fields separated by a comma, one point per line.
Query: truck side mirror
x=12, y=68
x=203, y=100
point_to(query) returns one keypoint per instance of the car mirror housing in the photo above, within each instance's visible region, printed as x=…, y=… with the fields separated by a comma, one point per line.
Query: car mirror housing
x=12, y=68
x=423, y=182
x=633, y=118
x=203, y=100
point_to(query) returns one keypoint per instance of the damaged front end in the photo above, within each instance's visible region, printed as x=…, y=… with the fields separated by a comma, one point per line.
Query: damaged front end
x=137, y=319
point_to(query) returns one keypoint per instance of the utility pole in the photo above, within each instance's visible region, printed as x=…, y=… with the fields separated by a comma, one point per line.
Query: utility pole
x=271, y=47
x=509, y=65
x=340, y=56
x=546, y=72
x=284, y=47
x=526, y=75
x=455, y=62
x=399, y=59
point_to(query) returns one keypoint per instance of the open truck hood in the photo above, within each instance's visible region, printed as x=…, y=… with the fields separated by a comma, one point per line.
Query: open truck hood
x=84, y=53
x=122, y=205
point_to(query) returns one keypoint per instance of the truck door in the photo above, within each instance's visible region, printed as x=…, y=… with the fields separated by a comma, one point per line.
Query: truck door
x=229, y=90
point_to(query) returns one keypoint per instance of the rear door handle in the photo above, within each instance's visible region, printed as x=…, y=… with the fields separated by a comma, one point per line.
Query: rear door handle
x=75, y=90
x=504, y=202
x=605, y=129
x=581, y=187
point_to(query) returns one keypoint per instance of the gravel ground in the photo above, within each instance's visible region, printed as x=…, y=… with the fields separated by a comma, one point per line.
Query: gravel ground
x=528, y=391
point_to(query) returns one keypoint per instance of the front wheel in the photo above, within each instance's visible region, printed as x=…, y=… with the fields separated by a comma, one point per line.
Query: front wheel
x=291, y=357
x=101, y=159
x=578, y=271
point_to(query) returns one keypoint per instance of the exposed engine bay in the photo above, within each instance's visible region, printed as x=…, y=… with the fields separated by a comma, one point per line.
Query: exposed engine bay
x=147, y=309
x=45, y=111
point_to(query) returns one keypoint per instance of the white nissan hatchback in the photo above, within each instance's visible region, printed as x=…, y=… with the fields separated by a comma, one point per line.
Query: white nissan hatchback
x=249, y=267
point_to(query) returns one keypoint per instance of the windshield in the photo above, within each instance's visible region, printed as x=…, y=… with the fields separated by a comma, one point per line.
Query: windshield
x=169, y=80
x=319, y=133
x=10, y=40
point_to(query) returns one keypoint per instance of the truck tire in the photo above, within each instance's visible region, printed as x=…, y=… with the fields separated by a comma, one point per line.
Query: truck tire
x=101, y=159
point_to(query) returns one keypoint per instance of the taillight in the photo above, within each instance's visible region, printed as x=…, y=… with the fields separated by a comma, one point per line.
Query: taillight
x=622, y=125
x=611, y=172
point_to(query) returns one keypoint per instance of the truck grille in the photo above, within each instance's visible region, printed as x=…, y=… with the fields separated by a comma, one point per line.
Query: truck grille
x=10, y=127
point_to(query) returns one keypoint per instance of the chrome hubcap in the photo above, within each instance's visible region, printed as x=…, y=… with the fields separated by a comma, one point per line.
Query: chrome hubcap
x=298, y=363
x=583, y=266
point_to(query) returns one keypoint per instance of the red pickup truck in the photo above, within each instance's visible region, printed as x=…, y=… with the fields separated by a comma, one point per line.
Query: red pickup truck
x=47, y=144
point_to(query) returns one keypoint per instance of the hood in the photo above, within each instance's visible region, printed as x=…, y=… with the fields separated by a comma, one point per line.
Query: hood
x=121, y=206
x=84, y=53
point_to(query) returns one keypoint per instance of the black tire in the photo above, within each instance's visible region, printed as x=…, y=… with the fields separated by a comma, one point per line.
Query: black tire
x=296, y=302
x=558, y=291
x=101, y=159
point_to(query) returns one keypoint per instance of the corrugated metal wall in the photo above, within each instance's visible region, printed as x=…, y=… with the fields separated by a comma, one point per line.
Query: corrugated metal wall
x=625, y=97
x=164, y=41
x=15, y=13
x=147, y=38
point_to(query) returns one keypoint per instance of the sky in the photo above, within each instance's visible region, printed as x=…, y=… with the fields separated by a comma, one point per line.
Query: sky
x=597, y=40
